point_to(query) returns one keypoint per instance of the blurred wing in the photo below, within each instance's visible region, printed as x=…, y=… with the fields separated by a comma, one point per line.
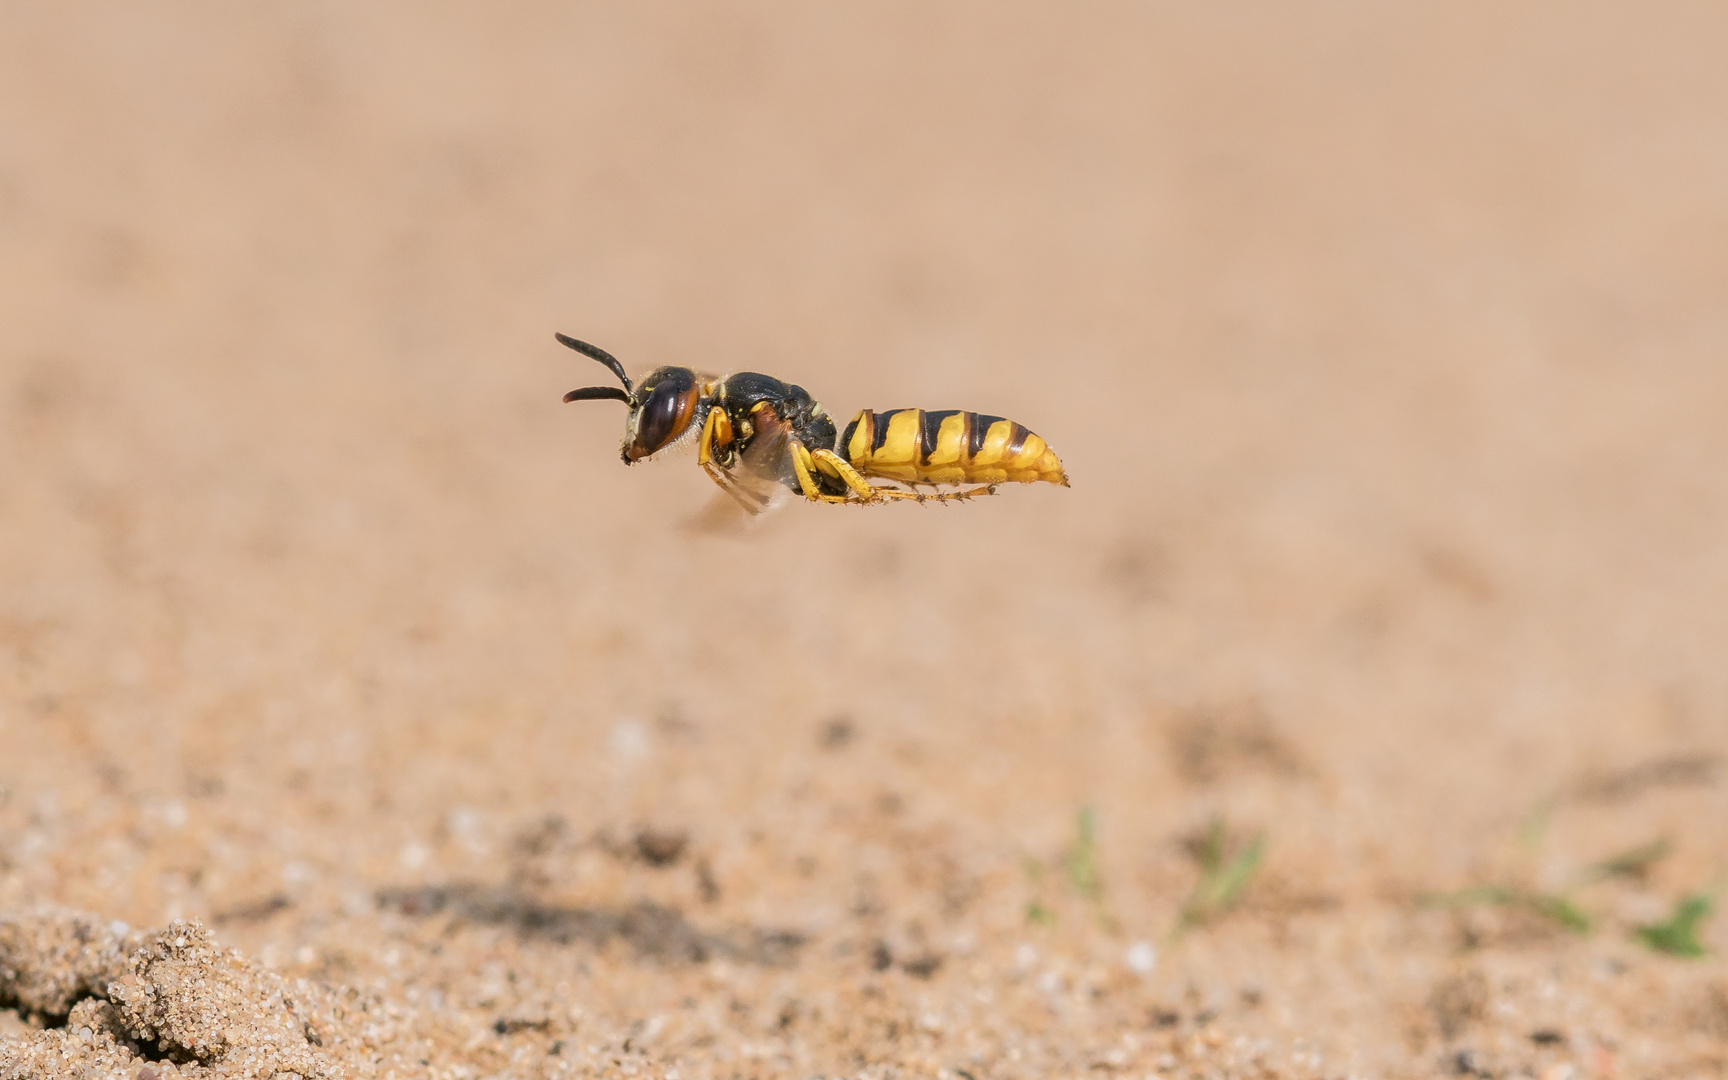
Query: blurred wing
x=755, y=485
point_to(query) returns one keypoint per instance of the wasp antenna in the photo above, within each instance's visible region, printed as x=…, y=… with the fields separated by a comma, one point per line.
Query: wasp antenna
x=594, y=352
x=598, y=393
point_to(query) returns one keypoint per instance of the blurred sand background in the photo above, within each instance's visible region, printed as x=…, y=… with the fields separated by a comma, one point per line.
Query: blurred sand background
x=1386, y=345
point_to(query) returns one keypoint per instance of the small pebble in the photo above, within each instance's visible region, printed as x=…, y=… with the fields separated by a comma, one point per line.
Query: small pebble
x=1141, y=958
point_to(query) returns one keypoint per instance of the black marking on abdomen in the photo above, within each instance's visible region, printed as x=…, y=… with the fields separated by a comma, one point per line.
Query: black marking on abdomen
x=932, y=432
x=880, y=435
x=1016, y=439
x=845, y=445
x=981, y=424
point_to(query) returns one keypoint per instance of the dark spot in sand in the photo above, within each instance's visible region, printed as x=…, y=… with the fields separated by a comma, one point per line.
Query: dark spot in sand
x=1674, y=770
x=881, y=956
x=1209, y=744
x=837, y=733
x=707, y=886
x=543, y=836
x=654, y=932
x=256, y=911
x=1458, y=1002
x=661, y=847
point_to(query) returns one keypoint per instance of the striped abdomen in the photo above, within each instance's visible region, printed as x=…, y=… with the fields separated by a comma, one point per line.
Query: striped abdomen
x=947, y=447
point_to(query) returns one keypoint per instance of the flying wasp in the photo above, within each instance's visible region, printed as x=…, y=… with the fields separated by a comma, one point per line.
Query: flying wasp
x=759, y=438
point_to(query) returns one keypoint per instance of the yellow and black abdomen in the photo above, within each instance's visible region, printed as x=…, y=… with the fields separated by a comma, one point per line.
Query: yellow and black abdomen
x=947, y=447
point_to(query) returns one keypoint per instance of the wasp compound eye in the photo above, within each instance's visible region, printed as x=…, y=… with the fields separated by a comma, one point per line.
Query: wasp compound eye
x=668, y=403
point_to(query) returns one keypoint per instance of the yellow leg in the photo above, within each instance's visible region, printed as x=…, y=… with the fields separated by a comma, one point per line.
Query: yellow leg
x=804, y=463
x=935, y=496
x=717, y=431
x=827, y=461
x=717, y=428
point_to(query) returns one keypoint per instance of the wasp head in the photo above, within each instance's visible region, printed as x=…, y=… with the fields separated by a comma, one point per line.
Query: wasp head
x=661, y=408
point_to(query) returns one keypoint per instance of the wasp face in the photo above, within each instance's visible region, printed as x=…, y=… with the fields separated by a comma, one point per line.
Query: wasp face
x=661, y=411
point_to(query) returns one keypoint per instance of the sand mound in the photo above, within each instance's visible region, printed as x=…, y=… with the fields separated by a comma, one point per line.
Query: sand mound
x=52, y=960
x=170, y=1002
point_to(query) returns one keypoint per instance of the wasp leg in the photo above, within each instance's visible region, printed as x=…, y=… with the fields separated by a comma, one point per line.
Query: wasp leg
x=913, y=493
x=717, y=432
x=805, y=462
x=862, y=490
x=832, y=464
x=717, y=428
x=938, y=496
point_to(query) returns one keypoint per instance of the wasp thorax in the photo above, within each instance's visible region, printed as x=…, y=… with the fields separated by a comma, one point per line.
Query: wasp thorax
x=665, y=405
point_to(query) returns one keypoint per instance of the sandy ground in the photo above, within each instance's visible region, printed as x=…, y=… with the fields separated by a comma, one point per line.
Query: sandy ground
x=361, y=716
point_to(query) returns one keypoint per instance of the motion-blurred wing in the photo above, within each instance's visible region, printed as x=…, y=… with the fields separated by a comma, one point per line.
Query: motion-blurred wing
x=757, y=483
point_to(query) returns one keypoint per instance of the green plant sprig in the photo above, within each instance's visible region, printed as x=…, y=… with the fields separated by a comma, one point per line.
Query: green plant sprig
x=1223, y=877
x=1678, y=935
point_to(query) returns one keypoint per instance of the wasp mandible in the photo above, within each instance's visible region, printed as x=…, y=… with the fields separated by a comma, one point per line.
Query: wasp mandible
x=758, y=437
